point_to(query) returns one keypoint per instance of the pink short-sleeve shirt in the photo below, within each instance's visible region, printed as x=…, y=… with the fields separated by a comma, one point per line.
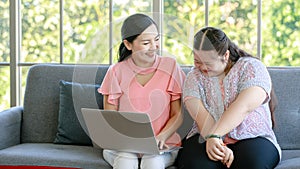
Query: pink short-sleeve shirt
x=153, y=98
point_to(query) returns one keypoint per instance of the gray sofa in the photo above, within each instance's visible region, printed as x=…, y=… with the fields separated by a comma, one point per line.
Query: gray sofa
x=39, y=133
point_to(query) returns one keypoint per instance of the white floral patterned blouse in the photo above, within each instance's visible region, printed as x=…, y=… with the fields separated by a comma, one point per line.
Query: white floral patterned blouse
x=245, y=73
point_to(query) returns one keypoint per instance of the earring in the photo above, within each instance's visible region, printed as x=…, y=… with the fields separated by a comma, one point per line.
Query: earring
x=224, y=60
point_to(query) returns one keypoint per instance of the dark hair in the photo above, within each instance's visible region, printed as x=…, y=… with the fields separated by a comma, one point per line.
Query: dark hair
x=132, y=27
x=210, y=38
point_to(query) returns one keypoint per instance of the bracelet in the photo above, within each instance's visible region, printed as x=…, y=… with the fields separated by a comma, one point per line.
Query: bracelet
x=213, y=136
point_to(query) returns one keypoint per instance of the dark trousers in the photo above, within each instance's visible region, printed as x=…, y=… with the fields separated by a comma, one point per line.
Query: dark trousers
x=254, y=153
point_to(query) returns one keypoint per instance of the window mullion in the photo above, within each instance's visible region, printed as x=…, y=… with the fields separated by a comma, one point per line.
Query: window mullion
x=14, y=9
x=61, y=32
x=259, y=18
x=110, y=32
x=157, y=9
x=206, y=12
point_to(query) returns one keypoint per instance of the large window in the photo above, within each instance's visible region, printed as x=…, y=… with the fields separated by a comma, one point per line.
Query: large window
x=88, y=32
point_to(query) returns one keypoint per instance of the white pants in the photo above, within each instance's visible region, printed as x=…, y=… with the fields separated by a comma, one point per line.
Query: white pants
x=125, y=160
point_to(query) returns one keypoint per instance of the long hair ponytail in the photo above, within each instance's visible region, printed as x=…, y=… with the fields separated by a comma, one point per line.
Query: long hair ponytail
x=124, y=53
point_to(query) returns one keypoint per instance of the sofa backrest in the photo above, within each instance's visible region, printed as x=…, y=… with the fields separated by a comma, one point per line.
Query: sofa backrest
x=41, y=99
x=41, y=102
x=286, y=83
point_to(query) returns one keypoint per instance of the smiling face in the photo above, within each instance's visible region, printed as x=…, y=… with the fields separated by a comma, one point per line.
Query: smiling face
x=145, y=46
x=210, y=63
x=211, y=52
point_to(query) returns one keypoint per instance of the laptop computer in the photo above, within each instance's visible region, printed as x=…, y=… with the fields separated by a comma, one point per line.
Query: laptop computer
x=122, y=131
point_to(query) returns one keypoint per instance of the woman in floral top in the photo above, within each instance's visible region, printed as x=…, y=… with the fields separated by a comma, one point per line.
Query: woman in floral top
x=228, y=94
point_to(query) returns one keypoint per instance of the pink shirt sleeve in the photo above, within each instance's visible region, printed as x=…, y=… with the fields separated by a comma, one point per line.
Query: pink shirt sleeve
x=110, y=86
x=177, y=76
x=176, y=83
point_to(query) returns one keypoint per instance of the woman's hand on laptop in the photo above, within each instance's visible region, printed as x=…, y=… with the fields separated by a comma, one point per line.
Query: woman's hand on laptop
x=161, y=142
x=162, y=145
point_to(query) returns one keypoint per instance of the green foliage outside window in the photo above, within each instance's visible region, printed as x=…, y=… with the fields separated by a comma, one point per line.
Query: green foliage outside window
x=281, y=32
x=4, y=54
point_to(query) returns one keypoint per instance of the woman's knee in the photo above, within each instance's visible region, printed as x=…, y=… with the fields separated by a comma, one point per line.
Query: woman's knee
x=150, y=162
x=256, y=153
x=196, y=163
x=126, y=161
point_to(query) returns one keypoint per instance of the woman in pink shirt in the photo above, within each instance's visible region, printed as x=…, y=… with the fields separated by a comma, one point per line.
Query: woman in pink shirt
x=144, y=82
x=228, y=94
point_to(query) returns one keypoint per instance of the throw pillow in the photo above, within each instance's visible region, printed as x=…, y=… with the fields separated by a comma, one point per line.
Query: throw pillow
x=74, y=96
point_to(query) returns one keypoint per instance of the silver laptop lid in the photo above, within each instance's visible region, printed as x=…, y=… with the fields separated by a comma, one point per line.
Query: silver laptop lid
x=122, y=131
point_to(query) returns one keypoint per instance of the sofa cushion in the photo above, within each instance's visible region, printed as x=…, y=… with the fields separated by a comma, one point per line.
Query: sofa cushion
x=85, y=157
x=73, y=97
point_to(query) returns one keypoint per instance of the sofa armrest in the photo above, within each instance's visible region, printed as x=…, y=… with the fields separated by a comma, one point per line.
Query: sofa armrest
x=10, y=127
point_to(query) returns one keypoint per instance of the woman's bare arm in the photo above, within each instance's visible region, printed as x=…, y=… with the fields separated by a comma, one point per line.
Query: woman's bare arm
x=246, y=102
x=107, y=105
x=175, y=121
x=199, y=114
